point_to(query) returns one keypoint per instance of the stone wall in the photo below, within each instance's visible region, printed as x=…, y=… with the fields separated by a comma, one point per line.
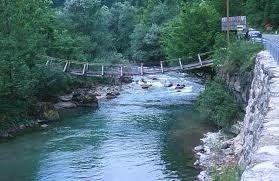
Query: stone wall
x=259, y=156
x=240, y=85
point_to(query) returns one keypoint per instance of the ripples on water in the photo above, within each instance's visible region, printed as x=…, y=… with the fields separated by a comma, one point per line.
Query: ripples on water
x=140, y=136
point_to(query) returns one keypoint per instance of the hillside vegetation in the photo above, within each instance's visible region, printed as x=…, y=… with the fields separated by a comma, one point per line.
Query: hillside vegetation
x=111, y=31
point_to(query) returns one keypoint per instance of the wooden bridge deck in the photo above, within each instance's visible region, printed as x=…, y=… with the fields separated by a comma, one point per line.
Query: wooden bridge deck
x=86, y=69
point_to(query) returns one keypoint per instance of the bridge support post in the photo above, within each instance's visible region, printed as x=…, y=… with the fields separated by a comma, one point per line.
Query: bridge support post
x=141, y=69
x=65, y=67
x=84, y=69
x=121, y=71
x=102, y=70
x=181, y=67
x=162, y=67
x=200, y=60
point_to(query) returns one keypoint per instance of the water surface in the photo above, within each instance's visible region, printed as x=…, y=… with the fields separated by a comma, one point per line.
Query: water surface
x=143, y=135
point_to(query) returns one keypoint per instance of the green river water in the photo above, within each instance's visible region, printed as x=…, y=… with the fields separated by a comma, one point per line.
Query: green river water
x=143, y=135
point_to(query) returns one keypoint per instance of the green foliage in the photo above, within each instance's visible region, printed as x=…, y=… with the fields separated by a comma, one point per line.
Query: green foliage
x=227, y=173
x=88, y=18
x=263, y=12
x=121, y=25
x=160, y=14
x=192, y=31
x=238, y=58
x=237, y=7
x=50, y=82
x=89, y=81
x=145, y=44
x=218, y=104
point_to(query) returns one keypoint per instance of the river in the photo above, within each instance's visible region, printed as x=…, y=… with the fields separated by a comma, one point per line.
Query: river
x=143, y=135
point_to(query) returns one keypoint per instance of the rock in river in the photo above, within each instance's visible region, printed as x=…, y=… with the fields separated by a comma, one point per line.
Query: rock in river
x=178, y=86
x=66, y=98
x=46, y=111
x=65, y=105
x=168, y=84
x=146, y=86
x=85, y=97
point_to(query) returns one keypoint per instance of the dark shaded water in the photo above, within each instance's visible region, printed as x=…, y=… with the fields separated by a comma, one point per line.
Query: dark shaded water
x=143, y=135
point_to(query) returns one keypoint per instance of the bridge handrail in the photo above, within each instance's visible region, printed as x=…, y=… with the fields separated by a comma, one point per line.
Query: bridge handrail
x=115, y=65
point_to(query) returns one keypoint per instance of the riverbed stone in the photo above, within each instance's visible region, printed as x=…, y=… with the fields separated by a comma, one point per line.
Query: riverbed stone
x=66, y=98
x=44, y=126
x=85, y=98
x=46, y=111
x=65, y=105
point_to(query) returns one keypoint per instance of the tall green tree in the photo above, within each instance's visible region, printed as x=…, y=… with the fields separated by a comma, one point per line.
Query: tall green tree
x=145, y=44
x=24, y=35
x=262, y=12
x=192, y=31
x=89, y=18
x=121, y=25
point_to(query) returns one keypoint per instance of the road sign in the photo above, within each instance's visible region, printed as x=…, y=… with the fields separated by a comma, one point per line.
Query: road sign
x=233, y=23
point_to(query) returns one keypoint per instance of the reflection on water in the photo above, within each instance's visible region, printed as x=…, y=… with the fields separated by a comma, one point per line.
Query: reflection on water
x=142, y=135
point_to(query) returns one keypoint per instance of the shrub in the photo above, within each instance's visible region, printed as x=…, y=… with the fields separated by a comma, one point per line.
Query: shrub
x=50, y=82
x=218, y=104
x=227, y=173
x=238, y=58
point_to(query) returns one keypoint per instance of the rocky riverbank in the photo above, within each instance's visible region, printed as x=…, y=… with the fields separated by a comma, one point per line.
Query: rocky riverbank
x=49, y=111
x=218, y=149
x=86, y=96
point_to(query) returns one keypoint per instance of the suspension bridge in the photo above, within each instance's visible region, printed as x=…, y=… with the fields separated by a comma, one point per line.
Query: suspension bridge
x=126, y=70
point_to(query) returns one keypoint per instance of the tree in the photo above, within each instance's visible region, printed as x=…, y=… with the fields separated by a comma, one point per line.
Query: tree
x=89, y=18
x=263, y=12
x=237, y=7
x=137, y=43
x=160, y=14
x=218, y=104
x=145, y=44
x=191, y=32
x=24, y=34
x=121, y=25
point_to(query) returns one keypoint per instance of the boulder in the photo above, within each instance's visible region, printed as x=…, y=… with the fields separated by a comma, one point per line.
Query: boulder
x=178, y=86
x=199, y=148
x=111, y=95
x=126, y=80
x=144, y=81
x=146, y=86
x=46, y=111
x=112, y=92
x=21, y=126
x=51, y=115
x=168, y=84
x=85, y=97
x=44, y=126
x=66, y=98
x=65, y=105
